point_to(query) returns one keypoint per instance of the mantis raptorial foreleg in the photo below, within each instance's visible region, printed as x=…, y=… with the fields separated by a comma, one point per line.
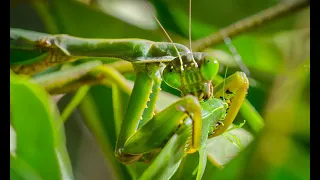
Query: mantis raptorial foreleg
x=176, y=131
x=233, y=90
x=138, y=114
x=148, y=138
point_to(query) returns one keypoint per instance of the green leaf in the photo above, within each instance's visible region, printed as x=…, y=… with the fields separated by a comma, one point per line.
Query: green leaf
x=19, y=169
x=94, y=23
x=39, y=135
x=13, y=138
x=222, y=149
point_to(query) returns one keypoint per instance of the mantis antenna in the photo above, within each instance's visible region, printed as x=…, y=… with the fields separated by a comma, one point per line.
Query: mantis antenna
x=190, y=41
x=146, y=4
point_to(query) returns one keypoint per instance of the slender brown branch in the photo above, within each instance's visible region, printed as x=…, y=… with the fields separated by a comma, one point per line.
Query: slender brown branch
x=250, y=22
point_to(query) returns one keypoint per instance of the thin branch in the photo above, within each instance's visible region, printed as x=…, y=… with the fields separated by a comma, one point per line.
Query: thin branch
x=250, y=22
x=122, y=66
x=75, y=101
x=98, y=75
x=102, y=75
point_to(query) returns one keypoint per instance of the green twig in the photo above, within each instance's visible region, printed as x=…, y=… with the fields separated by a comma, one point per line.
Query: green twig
x=73, y=78
x=117, y=108
x=122, y=66
x=111, y=74
x=76, y=100
x=250, y=113
x=64, y=77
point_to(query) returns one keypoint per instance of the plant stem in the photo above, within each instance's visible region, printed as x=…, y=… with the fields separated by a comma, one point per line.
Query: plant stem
x=88, y=73
x=76, y=100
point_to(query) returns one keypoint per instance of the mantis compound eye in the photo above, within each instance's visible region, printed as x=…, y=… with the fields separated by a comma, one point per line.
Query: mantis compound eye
x=171, y=77
x=209, y=68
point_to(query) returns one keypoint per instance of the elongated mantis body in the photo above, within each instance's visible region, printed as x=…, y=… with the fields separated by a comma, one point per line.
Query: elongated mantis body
x=204, y=111
x=47, y=50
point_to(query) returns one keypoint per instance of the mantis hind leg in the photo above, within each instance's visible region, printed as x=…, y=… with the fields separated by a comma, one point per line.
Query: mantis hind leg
x=233, y=90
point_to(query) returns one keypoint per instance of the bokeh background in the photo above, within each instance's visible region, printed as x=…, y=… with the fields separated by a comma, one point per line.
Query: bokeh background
x=276, y=53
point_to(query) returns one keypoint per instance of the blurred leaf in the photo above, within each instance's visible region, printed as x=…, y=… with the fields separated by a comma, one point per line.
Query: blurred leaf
x=256, y=53
x=131, y=12
x=91, y=114
x=188, y=167
x=278, y=152
x=223, y=148
x=101, y=101
x=94, y=23
x=220, y=150
x=232, y=170
x=13, y=140
x=19, y=169
x=40, y=140
x=300, y=169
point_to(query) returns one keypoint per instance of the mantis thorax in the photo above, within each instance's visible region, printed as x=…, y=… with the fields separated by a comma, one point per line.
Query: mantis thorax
x=195, y=75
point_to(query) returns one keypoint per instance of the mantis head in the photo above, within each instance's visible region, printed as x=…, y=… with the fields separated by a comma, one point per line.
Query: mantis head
x=191, y=78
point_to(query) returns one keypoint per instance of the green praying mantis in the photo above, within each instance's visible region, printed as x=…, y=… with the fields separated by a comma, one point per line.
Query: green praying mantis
x=163, y=138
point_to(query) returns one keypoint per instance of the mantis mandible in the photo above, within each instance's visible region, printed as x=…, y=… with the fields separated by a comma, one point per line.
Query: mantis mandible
x=204, y=110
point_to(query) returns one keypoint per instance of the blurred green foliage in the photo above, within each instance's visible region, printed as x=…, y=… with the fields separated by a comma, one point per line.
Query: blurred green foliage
x=277, y=54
